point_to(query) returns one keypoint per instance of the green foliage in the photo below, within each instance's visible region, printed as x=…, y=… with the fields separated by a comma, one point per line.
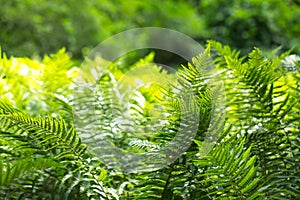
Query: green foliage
x=264, y=111
x=230, y=172
x=27, y=83
x=256, y=155
x=247, y=23
x=46, y=139
x=38, y=27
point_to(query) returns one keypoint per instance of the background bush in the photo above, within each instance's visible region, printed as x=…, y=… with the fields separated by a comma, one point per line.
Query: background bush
x=38, y=27
x=247, y=23
x=28, y=27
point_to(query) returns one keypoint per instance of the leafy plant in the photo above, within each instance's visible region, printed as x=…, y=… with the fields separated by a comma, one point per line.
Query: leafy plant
x=39, y=86
x=256, y=154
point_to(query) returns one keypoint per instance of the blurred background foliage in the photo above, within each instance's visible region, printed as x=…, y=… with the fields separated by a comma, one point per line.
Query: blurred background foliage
x=37, y=27
x=39, y=86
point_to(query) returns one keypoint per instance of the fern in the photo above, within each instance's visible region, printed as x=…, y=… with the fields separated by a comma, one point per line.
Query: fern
x=259, y=94
x=185, y=107
x=51, y=138
x=253, y=157
x=229, y=172
x=49, y=133
x=10, y=172
x=249, y=152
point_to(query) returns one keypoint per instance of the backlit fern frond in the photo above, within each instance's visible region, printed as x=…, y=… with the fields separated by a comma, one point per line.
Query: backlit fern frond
x=261, y=106
x=50, y=133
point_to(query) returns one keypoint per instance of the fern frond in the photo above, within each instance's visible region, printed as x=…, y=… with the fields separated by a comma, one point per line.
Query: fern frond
x=50, y=133
x=256, y=90
x=190, y=108
x=9, y=172
x=219, y=53
x=229, y=172
x=52, y=138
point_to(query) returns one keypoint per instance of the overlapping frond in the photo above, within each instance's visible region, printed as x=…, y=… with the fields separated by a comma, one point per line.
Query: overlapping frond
x=50, y=133
x=261, y=106
x=48, y=139
x=189, y=105
x=229, y=171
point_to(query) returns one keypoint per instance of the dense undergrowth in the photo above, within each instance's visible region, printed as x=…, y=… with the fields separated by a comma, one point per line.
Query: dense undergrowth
x=256, y=156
